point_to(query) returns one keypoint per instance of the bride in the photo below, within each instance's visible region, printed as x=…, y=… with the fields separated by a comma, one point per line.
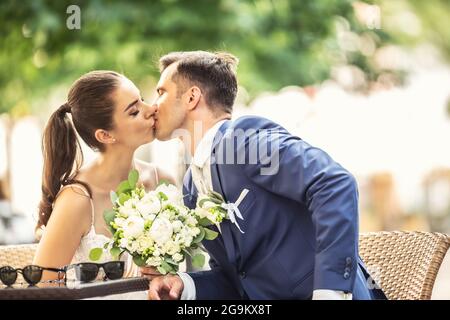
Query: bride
x=109, y=114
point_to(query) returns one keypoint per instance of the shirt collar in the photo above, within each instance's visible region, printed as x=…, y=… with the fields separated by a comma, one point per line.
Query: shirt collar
x=203, y=150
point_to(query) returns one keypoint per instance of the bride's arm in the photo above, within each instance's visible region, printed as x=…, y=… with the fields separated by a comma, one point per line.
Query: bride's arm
x=68, y=223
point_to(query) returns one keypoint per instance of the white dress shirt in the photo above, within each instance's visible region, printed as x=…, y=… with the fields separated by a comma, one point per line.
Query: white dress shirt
x=203, y=183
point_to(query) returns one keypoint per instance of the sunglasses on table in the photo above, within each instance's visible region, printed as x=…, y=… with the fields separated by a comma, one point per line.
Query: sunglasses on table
x=32, y=274
x=87, y=271
x=83, y=272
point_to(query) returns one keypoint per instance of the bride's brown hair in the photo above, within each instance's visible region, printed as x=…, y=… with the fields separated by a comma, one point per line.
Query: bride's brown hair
x=91, y=105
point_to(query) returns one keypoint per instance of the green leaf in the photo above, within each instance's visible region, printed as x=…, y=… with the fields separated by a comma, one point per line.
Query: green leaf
x=198, y=261
x=161, y=270
x=216, y=195
x=109, y=216
x=223, y=210
x=187, y=252
x=210, y=234
x=202, y=202
x=139, y=261
x=115, y=252
x=204, y=222
x=95, y=254
x=124, y=197
x=162, y=196
x=200, y=237
x=123, y=187
x=166, y=266
x=113, y=197
x=133, y=178
x=171, y=261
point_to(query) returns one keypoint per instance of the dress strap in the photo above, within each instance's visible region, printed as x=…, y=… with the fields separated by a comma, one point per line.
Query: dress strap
x=156, y=174
x=85, y=192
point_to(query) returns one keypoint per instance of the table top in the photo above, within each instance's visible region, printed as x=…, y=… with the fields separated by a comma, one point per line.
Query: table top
x=74, y=290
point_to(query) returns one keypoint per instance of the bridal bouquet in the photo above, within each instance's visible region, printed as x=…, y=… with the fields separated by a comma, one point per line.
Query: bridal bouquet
x=154, y=227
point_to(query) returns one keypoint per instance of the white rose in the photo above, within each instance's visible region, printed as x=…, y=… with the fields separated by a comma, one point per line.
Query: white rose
x=171, y=192
x=147, y=206
x=145, y=242
x=202, y=213
x=127, y=211
x=161, y=230
x=120, y=222
x=166, y=214
x=133, y=227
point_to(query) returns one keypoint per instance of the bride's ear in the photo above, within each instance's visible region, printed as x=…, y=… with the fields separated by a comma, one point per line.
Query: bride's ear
x=104, y=137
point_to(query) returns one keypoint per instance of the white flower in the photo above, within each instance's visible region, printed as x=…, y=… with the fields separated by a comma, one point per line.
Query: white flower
x=161, y=230
x=154, y=261
x=191, y=221
x=145, y=242
x=172, y=193
x=177, y=257
x=123, y=242
x=171, y=247
x=177, y=225
x=133, y=227
x=188, y=241
x=148, y=205
x=207, y=204
x=128, y=211
x=194, y=231
x=120, y=222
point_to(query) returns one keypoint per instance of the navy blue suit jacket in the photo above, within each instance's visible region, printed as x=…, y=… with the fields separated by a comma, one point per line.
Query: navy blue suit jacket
x=300, y=224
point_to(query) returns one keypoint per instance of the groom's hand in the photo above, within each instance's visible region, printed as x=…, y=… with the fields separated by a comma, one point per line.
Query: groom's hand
x=168, y=287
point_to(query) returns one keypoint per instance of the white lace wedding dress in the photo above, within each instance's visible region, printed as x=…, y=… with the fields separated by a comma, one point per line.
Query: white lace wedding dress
x=93, y=240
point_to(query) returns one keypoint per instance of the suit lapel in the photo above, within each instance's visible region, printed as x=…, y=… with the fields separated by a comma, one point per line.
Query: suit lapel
x=217, y=186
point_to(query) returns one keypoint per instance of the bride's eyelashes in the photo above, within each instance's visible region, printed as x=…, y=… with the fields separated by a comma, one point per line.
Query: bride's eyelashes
x=136, y=112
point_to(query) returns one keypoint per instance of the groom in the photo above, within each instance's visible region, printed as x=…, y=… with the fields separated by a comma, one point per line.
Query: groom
x=295, y=233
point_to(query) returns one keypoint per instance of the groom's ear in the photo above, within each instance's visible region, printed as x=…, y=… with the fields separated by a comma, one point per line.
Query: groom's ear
x=193, y=96
x=104, y=136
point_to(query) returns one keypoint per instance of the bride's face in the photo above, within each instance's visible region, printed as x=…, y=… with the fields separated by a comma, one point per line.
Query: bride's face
x=134, y=123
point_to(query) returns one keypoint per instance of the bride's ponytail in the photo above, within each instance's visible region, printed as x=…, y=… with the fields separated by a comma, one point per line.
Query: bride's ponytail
x=91, y=105
x=60, y=148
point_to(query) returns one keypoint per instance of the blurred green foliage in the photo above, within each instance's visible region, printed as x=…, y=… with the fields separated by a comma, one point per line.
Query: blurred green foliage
x=279, y=43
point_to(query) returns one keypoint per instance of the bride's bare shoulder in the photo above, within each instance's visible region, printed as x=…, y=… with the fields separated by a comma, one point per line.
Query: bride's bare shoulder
x=70, y=203
x=150, y=174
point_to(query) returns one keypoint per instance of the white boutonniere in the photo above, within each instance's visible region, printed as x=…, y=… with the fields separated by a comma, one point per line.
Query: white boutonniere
x=212, y=207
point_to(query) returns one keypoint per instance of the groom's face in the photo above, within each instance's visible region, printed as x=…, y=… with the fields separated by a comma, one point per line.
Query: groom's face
x=171, y=110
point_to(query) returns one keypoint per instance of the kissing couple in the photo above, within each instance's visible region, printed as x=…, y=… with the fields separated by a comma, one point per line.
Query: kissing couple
x=297, y=233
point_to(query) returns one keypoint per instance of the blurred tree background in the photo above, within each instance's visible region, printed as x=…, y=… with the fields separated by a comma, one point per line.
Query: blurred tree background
x=279, y=43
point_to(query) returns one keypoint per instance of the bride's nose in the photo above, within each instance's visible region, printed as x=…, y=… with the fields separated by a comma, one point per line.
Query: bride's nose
x=150, y=110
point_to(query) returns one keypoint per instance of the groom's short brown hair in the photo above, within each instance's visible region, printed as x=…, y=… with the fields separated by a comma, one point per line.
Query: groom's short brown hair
x=213, y=73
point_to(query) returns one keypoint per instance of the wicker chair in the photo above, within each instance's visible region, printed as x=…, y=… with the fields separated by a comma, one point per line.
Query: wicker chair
x=404, y=264
x=17, y=255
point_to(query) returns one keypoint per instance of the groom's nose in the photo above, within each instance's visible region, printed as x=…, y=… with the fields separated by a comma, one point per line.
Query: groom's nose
x=150, y=110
